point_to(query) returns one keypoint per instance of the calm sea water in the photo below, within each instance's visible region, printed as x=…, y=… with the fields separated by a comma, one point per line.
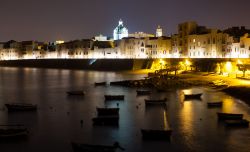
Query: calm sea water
x=57, y=121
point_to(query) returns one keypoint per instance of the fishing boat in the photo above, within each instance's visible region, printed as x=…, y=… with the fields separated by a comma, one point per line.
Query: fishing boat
x=143, y=92
x=114, y=97
x=100, y=83
x=192, y=96
x=155, y=101
x=156, y=134
x=106, y=120
x=79, y=147
x=107, y=111
x=237, y=123
x=13, y=132
x=229, y=116
x=77, y=93
x=14, y=107
x=214, y=104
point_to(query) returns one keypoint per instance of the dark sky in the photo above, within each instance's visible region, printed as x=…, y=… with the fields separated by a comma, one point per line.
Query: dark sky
x=49, y=20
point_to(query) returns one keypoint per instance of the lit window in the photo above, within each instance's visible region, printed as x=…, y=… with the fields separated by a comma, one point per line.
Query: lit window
x=194, y=40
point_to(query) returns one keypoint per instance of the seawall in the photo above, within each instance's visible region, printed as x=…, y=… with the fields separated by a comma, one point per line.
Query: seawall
x=84, y=64
x=115, y=64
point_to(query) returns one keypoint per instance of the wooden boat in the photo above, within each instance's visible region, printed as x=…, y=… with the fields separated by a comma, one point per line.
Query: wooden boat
x=237, y=123
x=156, y=134
x=114, y=97
x=13, y=133
x=229, y=116
x=143, y=92
x=106, y=120
x=100, y=83
x=79, y=93
x=155, y=101
x=78, y=147
x=14, y=107
x=107, y=111
x=192, y=96
x=214, y=104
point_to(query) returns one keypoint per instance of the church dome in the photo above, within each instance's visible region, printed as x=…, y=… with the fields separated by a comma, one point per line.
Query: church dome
x=120, y=31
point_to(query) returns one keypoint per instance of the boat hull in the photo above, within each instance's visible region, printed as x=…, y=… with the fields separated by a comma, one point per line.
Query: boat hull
x=114, y=97
x=106, y=120
x=76, y=93
x=156, y=134
x=92, y=148
x=20, y=107
x=107, y=111
x=192, y=96
x=229, y=116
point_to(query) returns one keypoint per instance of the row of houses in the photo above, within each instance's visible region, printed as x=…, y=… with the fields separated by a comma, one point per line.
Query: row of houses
x=191, y=41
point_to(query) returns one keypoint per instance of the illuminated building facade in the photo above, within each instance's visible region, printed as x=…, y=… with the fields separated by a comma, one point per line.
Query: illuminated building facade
x=191, y=41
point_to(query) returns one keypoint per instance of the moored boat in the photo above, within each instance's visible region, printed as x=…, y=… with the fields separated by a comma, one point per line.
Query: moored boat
x=237, y=123
x=80, y=93
x=79, y=147
x=229, y=116
x=214, y=104
x=107, y=111
x=114, y=97
x=156, y=134
x=192, y=96
x=10, y=132
x=14, y=107
x=100, y=83
x=143, y=92
x=106, y=120
x=155, y=101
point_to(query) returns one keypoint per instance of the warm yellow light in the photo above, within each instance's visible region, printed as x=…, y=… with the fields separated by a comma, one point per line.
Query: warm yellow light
x=59, y=42
x=229, y=67
x=239, y=62
x=187, y=62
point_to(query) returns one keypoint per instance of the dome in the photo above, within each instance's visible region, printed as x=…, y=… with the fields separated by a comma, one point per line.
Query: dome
x=120, y=31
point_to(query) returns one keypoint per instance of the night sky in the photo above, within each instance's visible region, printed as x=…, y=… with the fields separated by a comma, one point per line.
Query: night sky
x=49, y=20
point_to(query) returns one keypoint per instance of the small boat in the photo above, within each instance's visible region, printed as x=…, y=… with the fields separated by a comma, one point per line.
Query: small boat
x=237, y=123
x=156, y=134
x=155, y=101
x=79, y=93
x=13, y=133
x=100, y=83
x=106, y=120
x=192, y=96
x=229, y=116
x=143, y=92
x=114, y=97
x=214, y=104
x=78, y=147
x=107, y=111
x=14, y=107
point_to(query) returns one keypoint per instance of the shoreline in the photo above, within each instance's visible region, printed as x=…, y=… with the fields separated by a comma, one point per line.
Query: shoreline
x=236, y=87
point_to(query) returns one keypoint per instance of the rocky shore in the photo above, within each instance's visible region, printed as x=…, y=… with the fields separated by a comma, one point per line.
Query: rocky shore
x=236, y=87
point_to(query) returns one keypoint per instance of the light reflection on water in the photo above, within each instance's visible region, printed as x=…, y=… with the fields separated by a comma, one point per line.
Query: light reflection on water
x=57, y=121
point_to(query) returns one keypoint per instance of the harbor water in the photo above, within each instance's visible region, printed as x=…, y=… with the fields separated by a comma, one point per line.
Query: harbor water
x=61, y=119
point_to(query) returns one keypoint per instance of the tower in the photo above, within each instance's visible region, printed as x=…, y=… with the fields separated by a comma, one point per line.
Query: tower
x=159, y=32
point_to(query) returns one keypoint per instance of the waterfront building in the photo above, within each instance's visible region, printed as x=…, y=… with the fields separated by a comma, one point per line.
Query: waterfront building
x=206, y=45
x=191, y=41
x=140, y=35
x=120, y=31
x=101, y=38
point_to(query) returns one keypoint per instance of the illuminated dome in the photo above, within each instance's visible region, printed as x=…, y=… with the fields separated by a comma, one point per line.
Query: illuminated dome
x=120, y=31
